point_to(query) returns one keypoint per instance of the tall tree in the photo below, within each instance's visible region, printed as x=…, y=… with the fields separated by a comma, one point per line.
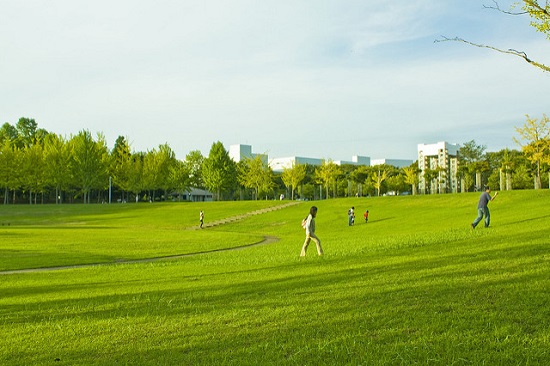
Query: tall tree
x=121, y=156
x=536, y=134
x=57, y=160
x=33, y=177
x=9, y=164
x=471, y=158
x=293, y=176
x=157, y=165
x=136, y=183
x=179, y=176
x=219, y=170
x=194, y=161
x=359, y=177
x=377, y=178
x=328, y=174
x=26, y=131
x=256, y=174
x=8, y=133
x=412, y=176
x=90, y=163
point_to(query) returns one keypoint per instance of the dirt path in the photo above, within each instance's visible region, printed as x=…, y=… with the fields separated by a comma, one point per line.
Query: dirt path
x=266, y=240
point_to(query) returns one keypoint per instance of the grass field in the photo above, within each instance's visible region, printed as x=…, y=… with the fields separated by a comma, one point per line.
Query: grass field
x=414, y=285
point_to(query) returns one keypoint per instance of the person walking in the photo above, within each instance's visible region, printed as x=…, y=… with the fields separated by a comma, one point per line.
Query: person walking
x=351, y=216
x=310, y=233
x=483, y=209
x=366, y=216
x=201, y=218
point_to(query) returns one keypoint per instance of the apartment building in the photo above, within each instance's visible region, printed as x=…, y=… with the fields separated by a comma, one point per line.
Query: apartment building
x=438, y=164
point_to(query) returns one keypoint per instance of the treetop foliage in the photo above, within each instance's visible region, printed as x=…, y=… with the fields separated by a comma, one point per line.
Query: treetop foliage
x=36, y=164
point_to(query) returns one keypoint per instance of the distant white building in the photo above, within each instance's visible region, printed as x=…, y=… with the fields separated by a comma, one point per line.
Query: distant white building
x=399, y=163
x=242, y=152
x=442, y=159
x=355, y=160
x=279, y=164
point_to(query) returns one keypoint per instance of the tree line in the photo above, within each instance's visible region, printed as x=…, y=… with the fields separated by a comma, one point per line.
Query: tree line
x=37, y=166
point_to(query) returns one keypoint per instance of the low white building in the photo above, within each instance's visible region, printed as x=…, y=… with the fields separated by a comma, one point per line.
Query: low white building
x=399, y=163
x=355, y=160
x=279, y=164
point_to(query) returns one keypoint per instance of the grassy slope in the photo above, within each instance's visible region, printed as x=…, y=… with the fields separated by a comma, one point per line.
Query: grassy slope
x=414, y=285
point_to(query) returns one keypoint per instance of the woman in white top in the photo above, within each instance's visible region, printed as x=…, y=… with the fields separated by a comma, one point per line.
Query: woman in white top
x=310, y=233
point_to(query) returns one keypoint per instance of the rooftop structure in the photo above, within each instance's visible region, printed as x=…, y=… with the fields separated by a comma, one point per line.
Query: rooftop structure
x=242, y=152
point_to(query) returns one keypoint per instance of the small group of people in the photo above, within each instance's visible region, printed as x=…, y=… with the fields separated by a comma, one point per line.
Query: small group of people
x=482, y=209
x=309, y=221
x=351, y=216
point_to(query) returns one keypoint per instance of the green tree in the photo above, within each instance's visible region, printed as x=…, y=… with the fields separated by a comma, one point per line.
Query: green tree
x=9, y=165
x=180, y=177
x=328, y=174
x=377, y=178
x=522, y=178
x=412, y=177
x=536, y=134
x=194, y=161
x=430, y=175
x=26, y=131
x=359, y=176
x=219, y=170
x=166, y=159
x=157, y=166
x=8, y=133
x=33, y=177
x=121, y=157
x=136, y=183
x=90, y=163
x=57, y=160
x=256, y=174
x=292, y=177
x=471, y=159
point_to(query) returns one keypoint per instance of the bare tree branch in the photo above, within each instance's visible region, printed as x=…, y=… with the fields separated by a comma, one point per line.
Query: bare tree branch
x=520, y=54
x=497, y=8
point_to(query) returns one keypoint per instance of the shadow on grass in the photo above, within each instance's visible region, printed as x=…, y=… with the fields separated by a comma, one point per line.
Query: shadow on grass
x=442, y=307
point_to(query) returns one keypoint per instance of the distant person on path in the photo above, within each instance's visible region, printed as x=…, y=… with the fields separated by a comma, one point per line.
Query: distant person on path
x=366, y=216
x=310, y=233
x=201, y=218
x=483, y=209
x=351, y=216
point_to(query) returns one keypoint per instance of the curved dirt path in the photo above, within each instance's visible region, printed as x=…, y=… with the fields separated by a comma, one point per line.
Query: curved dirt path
x=266, y=240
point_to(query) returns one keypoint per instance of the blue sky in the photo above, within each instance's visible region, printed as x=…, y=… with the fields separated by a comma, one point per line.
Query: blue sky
x=325, y=79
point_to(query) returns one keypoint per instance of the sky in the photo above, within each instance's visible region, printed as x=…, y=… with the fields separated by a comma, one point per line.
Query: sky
x=324, y=79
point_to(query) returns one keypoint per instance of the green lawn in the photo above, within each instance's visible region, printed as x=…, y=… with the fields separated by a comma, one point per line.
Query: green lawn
x=415, y=285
